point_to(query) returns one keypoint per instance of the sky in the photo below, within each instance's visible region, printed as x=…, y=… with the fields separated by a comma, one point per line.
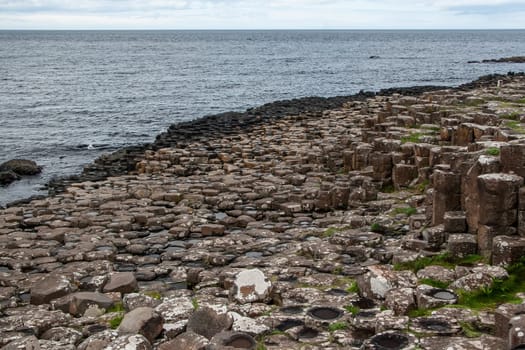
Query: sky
x=262, y=14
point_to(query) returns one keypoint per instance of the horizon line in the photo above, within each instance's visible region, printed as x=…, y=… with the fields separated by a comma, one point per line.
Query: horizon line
x=248, y=29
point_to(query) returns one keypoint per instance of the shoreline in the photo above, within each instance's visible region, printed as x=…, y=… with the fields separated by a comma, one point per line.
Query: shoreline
x=124, y=160
x=390, y=219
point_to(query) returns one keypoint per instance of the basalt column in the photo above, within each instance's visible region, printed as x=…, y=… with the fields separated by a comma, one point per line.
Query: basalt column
x=498, y=208
x=446, y=196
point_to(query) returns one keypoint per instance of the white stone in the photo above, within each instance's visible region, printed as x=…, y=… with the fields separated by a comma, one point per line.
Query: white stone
x=250, y=286
x=247, y=325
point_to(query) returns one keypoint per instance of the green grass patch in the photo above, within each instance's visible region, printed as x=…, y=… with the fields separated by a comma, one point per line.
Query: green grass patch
x=492, y=151
x=153, y=294
x=414, y=137
x=515, y=125
x=195, y=303
x=378, y=228
x=408, y=211
x=354, y=310
x=520, y=101
x=117, y=307
x=388, y=188
x=500, y=292
x=510, y=116
x=420, y=313
x=337, y=326
x=115, y=321
x=444, y=260
x=353, y=288
x=329, y=232
x=433, y=283
x=469, y=330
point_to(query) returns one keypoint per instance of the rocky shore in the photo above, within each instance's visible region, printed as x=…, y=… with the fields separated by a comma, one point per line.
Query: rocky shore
x=393, y=220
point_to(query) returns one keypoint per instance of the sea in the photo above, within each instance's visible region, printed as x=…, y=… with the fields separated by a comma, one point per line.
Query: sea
x=66, y=97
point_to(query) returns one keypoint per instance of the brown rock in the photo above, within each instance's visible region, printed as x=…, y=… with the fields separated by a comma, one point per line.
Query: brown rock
x=142, y=320
x=123, y=282
x=50, y=288
x=206, y=322
x=186, y=341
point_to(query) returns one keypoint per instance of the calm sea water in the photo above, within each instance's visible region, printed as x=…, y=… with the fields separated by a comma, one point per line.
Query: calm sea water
x=68, y=96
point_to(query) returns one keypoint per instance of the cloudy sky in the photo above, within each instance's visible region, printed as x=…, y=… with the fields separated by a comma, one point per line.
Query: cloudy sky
x=262, y=14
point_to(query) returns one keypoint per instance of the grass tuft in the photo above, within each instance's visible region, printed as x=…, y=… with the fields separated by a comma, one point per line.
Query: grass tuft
x=195, y=303
x=354, y=310
x=337, y=326
x=444, y=260
x=414, y=137
x=434, y=283
x=115, y=322
x=408, y=211
x=492, y=151
x=469, y=330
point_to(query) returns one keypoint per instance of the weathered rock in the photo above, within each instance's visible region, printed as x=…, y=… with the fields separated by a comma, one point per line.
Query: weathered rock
x=455, y=222
x=462, y=245
x=400, y=300
x=6, y=177
x=21, y=167
x=250, y=286
x=142, y=320
x=516, y=334
x=207, y=322
x=429, y=297
x=447, y=194
x=123, y=282
x=186, y=341
x=126, y=342
x=507, y=250
x=99, y=340
x=379, y=279
x=50, y=288
x=231, y=341
x=77, y=303
x=63, y=335
x=502, y=316
x=248, y=325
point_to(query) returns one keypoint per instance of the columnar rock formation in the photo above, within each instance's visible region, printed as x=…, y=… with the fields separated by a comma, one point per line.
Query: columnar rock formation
x=269, y=227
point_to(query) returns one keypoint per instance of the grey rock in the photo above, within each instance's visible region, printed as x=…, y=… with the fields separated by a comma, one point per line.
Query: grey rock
x=21, y=167
x=142, y=320
x=207, y=322
x=123, y=282
x=186, y=341
x=50, y=288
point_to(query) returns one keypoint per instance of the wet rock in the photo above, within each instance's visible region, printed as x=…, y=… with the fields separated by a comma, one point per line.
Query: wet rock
x=186, y=341
x=7, y=177
x=21, y=167
x=435, y=325
x=250, y=286
x=142, y=320
x=123, y=282
x=50, y=288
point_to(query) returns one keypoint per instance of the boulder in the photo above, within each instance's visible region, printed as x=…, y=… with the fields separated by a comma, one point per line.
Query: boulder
x=186, y=341
x=6, y=177
x=380, y=279
x=142, y=320
x=207, y=322
x=21, y=167
x=51, y=287
x=123, y=282
x=77, y=303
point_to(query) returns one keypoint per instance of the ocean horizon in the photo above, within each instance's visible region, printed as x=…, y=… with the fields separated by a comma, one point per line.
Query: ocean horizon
x=69, y=96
